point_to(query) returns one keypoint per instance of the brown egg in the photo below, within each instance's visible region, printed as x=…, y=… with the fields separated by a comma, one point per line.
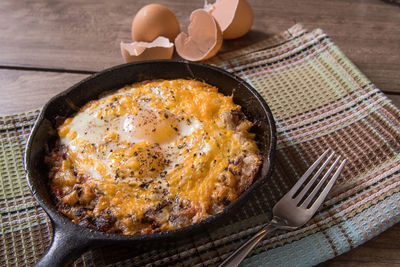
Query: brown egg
x=235, y=17
x=160, y=48
x=204, y=37
x=152, y=21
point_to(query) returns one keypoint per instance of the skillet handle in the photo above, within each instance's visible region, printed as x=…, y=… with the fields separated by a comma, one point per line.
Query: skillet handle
x=65, y=248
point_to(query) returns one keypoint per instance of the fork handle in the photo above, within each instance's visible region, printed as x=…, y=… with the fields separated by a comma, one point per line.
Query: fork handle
x=238, y=256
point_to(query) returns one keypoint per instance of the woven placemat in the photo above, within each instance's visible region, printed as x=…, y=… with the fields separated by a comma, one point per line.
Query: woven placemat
x=320, y=100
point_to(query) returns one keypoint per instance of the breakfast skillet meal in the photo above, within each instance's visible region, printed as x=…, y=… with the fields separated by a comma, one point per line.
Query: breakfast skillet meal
x=153, y=156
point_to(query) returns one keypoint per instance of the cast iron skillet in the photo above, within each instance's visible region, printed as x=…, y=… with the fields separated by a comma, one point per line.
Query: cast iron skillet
x=69, y=239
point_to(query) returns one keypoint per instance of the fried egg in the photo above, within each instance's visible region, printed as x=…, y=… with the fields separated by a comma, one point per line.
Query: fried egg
x=96, y=137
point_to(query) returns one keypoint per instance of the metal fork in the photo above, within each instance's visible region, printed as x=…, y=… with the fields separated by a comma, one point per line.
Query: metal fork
x=294, y=210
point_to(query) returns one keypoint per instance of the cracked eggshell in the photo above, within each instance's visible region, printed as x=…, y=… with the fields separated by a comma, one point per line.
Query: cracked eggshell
x=160, y=48
x=235, y=17
x=152, y=21
x=203, y=40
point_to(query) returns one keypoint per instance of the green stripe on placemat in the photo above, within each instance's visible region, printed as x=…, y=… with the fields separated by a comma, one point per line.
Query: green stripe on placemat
x=320, y=100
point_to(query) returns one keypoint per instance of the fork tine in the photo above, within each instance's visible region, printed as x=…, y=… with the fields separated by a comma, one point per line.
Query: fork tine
x=328, y=187
x=306, y=174
x=319, y=185
x=300, y=196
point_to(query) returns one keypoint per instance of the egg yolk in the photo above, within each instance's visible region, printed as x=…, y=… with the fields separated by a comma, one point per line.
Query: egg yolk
x=154, y=127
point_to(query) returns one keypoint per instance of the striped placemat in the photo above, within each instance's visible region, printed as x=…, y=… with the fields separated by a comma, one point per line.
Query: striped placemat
x=320, y=100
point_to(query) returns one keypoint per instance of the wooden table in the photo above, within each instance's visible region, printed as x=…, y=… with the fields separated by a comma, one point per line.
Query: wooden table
x=47, y=46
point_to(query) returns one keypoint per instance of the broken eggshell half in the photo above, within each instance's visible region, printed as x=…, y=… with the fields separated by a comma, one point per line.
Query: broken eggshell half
x=203, y=40
x=160, y=48
x=235, y=17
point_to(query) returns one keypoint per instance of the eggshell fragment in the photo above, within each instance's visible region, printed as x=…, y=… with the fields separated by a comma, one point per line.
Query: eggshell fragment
x=204, y=37
x=152, y=21
x=160, y=48
x=235, y=17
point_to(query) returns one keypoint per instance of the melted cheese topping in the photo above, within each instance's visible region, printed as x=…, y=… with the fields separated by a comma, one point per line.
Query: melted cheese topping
x=150, y=142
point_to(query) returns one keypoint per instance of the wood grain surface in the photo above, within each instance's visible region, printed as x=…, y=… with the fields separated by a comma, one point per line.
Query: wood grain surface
x=47, y=46
x=85, y=35
x=28, y=90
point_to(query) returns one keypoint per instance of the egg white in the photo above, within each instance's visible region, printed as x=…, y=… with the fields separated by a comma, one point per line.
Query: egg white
x=91, y=129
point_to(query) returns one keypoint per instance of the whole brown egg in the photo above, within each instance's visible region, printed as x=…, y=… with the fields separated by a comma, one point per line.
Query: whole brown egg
x=152, y=21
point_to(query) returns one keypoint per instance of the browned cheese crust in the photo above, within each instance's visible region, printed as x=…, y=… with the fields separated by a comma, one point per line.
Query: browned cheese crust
x=84, y=200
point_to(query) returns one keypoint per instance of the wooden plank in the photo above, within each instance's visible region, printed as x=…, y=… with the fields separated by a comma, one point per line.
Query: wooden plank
x=85, y=35
x=27, y=90
x=395, y=99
